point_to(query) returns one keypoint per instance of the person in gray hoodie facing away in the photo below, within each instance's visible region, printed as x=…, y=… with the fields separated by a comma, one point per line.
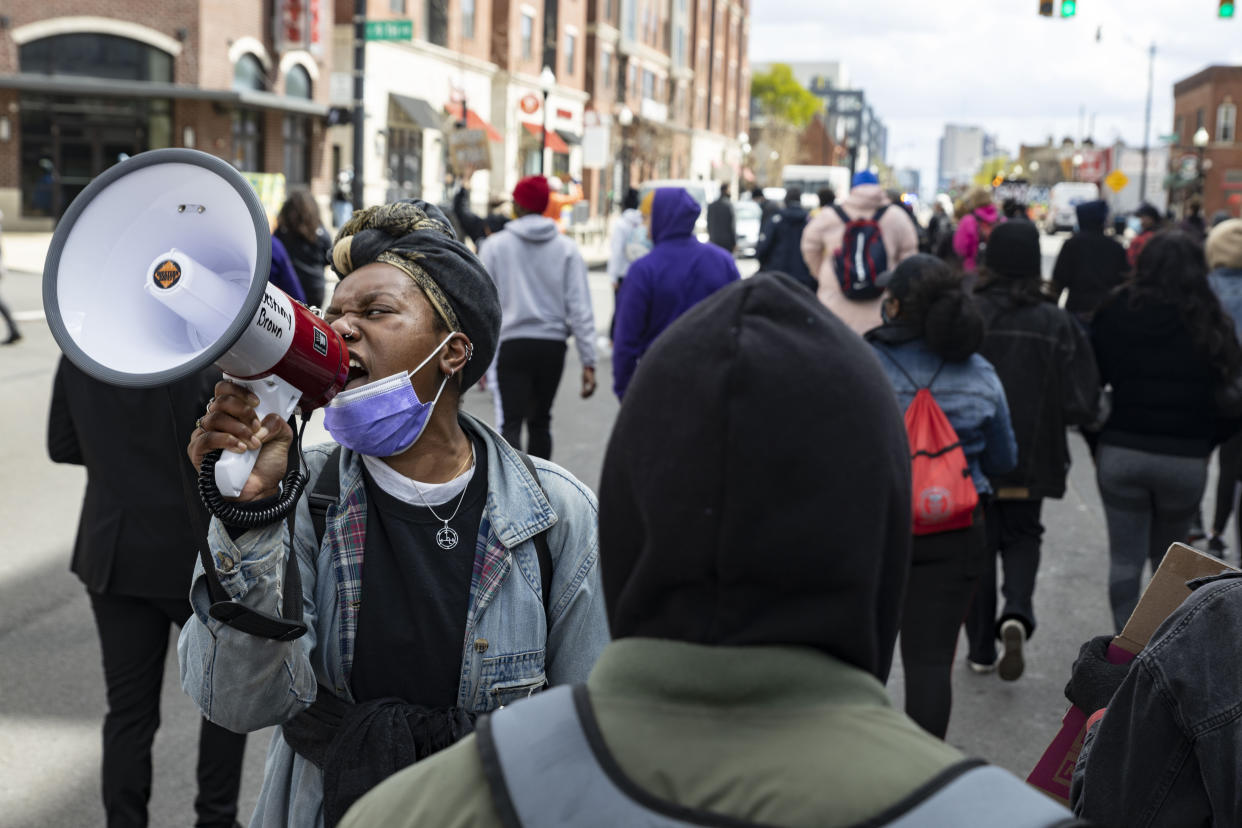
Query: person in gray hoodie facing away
x=542, y=282
x=1224, y=257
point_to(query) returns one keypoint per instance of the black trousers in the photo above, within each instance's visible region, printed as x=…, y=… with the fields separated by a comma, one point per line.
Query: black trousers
x=1014, y=535
x=529, y=372
x=944, y=571
x=1229, y=466
x=133, y=634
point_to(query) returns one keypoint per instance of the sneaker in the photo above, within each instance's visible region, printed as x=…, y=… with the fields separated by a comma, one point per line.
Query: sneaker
x=1216, y=546
x=1013, y=636
x=976, y=667
x=13, y=337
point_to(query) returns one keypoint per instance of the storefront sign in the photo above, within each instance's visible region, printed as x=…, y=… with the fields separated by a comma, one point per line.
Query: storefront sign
x=595, y=147
x=529, y=103
x=390, y=30
x=468, y=150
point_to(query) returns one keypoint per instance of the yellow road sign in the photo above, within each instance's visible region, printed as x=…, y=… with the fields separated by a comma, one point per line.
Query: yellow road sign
x=1117, y=181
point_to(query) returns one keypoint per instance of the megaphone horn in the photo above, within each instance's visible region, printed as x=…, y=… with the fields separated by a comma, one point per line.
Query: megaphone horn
x=159, y=268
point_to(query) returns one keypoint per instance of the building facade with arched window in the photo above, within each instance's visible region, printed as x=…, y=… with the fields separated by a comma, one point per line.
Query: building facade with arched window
x=246, y=80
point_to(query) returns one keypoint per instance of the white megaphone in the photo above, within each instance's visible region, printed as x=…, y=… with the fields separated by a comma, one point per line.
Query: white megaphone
x=159, y=268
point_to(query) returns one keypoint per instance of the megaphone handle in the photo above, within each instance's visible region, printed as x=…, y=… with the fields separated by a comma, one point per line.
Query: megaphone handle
x=275, y=395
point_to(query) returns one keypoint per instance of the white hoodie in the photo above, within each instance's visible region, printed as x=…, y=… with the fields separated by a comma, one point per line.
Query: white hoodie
x=542, y=282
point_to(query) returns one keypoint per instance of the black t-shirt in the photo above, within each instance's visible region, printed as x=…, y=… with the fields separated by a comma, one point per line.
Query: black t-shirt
x=412, y=620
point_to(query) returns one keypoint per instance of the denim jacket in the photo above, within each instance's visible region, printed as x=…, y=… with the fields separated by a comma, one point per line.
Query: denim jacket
x=1168, y=749
x=1227, y=284
x=969, y=393
x=246, y=683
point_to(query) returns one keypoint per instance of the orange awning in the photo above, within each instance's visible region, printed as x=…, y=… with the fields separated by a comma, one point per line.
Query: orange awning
x=555, y=143
x=473, y=121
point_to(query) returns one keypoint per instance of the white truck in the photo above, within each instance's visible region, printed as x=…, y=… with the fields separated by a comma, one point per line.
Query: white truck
x=811, y=179
x=1063, y=204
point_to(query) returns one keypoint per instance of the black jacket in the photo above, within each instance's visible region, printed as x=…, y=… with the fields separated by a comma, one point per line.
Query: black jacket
x=1044, y=360
x=1090, y=264
x=1163, y=388
x=134, y=535
x=309, y=260
x=721, y=224
x=780, y=245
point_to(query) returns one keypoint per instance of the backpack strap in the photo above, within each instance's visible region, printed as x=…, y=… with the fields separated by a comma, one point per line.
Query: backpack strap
x=971, y=794
x=541, y=547
x=327, y=491
x=845, y=218
x=884, y=350
x=881, y=212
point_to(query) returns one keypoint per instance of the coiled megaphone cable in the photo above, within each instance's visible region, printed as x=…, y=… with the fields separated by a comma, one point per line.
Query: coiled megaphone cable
x=249, y=517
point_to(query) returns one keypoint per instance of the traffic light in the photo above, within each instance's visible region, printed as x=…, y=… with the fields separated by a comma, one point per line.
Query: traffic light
x=1226, y=9
x=1069, y=8
x=1045, y=8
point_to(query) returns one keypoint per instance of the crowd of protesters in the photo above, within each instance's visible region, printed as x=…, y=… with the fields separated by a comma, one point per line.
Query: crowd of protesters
x=708, y=642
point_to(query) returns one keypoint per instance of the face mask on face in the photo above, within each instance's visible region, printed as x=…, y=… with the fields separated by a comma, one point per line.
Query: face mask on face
x=382, y=418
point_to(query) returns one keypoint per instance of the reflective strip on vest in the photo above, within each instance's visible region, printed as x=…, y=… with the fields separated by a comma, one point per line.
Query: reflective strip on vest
x=545, y=770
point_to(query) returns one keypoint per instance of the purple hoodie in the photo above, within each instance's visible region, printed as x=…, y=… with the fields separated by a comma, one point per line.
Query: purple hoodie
x=661, y=286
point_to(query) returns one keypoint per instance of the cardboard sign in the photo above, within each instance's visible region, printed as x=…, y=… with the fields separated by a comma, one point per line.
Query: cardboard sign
x=468, y=150
x=1164, y=594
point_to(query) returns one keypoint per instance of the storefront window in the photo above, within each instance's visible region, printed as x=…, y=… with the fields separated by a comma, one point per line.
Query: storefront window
x=248, y=140
x=298, y=83
x=97, y=56
x=405, y=163
x=295, y=130
x=248, y=74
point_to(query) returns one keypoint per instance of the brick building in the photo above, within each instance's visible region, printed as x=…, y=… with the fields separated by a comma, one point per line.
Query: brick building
x=1208, y=99
x=84, y=83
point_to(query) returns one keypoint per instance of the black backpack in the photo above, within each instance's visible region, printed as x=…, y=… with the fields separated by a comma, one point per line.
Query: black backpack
x=328, y=490
x=862, y=258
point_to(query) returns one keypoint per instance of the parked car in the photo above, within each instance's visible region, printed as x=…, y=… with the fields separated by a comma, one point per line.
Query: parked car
x=749, y=222
x=704, y=192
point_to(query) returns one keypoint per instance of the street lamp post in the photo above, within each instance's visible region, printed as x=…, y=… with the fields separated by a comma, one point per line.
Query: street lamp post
x=1077, y=161
x=626, y=118
x=547, y=80
x=1201, y=139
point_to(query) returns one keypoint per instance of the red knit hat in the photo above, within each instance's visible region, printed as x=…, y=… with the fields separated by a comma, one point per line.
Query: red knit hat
x=531, y=194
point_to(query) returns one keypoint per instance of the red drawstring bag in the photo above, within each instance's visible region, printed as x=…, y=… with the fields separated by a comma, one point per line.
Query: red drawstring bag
x=944, y=495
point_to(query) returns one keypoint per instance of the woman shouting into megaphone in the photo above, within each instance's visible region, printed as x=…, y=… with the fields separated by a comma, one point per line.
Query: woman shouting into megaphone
x=447, y=575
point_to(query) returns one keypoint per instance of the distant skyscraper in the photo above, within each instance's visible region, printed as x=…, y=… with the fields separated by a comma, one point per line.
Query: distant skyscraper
x=962, y=150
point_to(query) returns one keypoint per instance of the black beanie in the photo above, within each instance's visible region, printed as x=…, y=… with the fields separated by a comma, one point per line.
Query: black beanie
x=1013, y=251
x=756, y=488
x=416, y=237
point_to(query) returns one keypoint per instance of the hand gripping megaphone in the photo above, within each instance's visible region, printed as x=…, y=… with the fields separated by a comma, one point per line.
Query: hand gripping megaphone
x=159, y=268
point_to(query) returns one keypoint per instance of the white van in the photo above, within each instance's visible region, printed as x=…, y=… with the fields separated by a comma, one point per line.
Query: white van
x=702, y=191
x=1063, y=204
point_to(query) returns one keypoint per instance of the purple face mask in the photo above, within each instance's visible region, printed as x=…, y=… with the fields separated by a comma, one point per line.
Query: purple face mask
x=382, y=418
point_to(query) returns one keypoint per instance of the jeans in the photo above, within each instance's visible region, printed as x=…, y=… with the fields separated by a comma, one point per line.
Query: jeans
x=133, y=634
x=1149, y=501
x=944, y=572
x=1014, y=534
x=529, y=372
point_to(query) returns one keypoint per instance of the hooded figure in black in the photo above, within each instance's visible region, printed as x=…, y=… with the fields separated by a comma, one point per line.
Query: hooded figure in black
x=756, y=489
x=1090, y=264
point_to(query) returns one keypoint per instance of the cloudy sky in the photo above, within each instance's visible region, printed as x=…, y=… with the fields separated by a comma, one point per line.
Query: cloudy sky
x=999, y=65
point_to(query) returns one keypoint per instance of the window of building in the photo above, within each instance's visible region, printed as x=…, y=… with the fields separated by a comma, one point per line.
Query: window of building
x=1199, y=119
x=1226, y=122
x=605, y=69
x=298, y=83
x=437, y=22
x=648, y=84
x=631, y=81
x=571, y=52
x=248, y=140
x=295, y=130
x=629, y=9
x=248, y=73
x=608, y=11
x=95, y=55
x=397, y=6
x=528, y=34
x=405, y=163
x=467, y=18
x=1178, y=124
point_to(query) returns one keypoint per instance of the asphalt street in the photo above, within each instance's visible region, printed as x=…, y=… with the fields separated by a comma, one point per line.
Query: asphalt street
x=51, y=687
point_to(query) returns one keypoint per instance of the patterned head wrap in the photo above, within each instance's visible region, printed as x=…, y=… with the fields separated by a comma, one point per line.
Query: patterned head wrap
x=416, y=238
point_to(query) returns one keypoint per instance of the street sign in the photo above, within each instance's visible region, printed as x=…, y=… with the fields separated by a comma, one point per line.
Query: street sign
x=1171, y=138
x=468, y=150
x=1117, y=181
x=390, y=30
x=529, y=103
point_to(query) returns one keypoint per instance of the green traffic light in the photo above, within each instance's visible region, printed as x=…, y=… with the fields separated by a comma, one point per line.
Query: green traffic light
x=1226, y=9
x=1069, y=8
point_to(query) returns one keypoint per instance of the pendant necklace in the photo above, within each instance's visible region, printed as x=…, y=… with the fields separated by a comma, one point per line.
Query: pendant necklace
x=446, y=538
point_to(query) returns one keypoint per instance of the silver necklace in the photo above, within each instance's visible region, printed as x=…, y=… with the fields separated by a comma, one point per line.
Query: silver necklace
x=446, y=538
